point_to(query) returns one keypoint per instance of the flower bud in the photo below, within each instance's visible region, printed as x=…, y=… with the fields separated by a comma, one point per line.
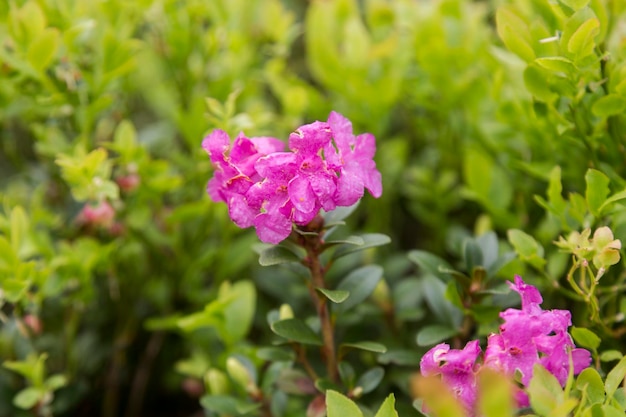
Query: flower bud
x=216, y=382
x=317, y=407
x=241, y=375
x=98, y=215
x=285, y=312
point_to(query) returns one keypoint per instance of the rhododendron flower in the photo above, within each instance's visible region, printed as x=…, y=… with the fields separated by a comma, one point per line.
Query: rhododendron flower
x=457, y=369
x=270, y=189
x=527, y=337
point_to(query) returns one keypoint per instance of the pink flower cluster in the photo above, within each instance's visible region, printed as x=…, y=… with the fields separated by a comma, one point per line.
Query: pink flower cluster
x=527, y=337
x=270, y=189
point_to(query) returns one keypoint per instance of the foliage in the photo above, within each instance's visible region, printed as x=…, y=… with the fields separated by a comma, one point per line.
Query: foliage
x=499, y=130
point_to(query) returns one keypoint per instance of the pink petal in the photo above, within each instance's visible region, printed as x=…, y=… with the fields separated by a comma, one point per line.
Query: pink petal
x=301, y=194
x=272, y=227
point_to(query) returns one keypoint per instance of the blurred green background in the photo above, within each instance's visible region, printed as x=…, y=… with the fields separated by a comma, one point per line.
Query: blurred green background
x=488, y=115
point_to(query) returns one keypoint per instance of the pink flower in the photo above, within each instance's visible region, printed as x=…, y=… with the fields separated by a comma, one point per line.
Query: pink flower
x=100, y=214
x=271, y=190
x=457, y=369
x=352, y=156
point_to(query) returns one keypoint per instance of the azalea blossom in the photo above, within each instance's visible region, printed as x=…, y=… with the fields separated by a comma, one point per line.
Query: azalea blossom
x=528, y=336
x=272, y=189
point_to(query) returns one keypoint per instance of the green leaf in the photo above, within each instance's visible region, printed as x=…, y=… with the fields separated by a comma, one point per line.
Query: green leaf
x=611, y=355
x=514, y=33
x=367, y=346
x=240, y=304
x=296, y=330
x=370, y=240
x=527, y=247
x=370, y=380
x=275, y=255
x=614, y=198
x=125, y=137
x=472, y=255
x=43, y=48
x=536, y=81
x=350, y=240
x=402, y=357
x=430, y=263
x=338, y=405
x=615, y=378
x=597, y=190
x=227, y=405
x=609, y=105
x=360, y=283
x=585, y=338
x=581, y=43
x=55, y=382
x=590, y=381
x=275, y=354
x=495, y=394
x=555, y=192
x=544, y=390
x=435, y=333
x=336, y=296
x=486, y=181
x=575, y=4
x=339, y=214
x=557, y=64
x=387, y=409
x=28, y=398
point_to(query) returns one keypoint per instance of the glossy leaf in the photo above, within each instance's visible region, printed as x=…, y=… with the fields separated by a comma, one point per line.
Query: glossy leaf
x=336, y=296
x=615, y=377
x=296, y=330
x=370, y=380
x=387, y=409
x=597, y=190
x=360, y=283
x=276, y=255
x=370, y=240
x=585, y=338
x=434, y=333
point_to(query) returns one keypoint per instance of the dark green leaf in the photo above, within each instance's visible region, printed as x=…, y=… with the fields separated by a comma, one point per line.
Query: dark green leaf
x=400, y=357
x=434, y=334
x=472, y=255
x=275, y=255
x=431, y=263
x=227, y=405
x=370, y=240
x=275, y=354
x=370, y=380
x=368, y=346
x=296, y=330
x=336, y=296
x=360, y=283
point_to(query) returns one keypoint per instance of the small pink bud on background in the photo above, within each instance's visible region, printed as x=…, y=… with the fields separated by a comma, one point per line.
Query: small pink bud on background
x=99, y=215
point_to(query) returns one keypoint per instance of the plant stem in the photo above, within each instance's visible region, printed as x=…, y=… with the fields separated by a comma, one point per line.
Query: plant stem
x=312, y=243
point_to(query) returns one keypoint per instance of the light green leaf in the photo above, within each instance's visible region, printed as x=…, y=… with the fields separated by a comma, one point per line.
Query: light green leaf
x=238, y=311
x=338, y=405
x=557, y=64
x=360, y=283
x=609, y=105
x=28, y=398
x=43, y=48
x=575, y=4
x=435, y=333
x=544, y=390
x=536, y=81
x=336, y=296
x=387, y=409
x=527, y=247
x=125, y=137
x=590, y=381
x=514, y=33
x=55, y=382
x=615, y=378
x=597, y=190
x=581, y=43
x=296, y=330
x=585, y=338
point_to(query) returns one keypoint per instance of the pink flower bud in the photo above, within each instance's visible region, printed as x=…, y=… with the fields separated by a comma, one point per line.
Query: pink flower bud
x=99, y=215
x=128, y=182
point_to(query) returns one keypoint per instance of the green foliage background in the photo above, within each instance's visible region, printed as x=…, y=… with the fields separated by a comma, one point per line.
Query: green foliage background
x=500, y=126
